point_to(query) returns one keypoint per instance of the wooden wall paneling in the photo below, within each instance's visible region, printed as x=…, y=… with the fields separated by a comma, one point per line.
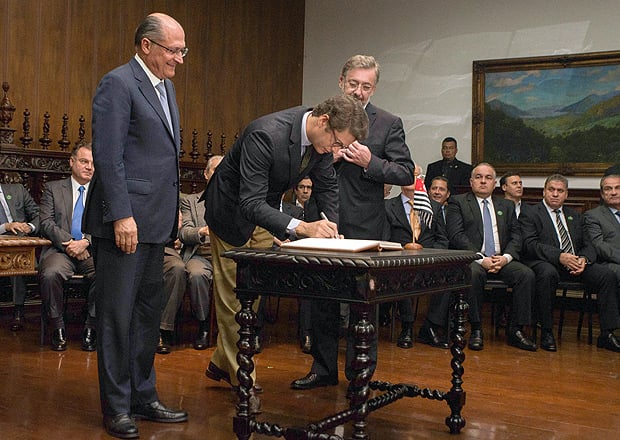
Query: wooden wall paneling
x=22, y=63
x=53, y=63
x=80, y=85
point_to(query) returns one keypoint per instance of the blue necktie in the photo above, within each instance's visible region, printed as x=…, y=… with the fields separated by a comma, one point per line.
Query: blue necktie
x=163, y=98
x=487, y=224
x=618, y=216
x=78, y=210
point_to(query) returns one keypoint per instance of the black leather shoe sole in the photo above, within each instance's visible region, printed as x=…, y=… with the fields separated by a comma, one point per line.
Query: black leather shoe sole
x=159, y=414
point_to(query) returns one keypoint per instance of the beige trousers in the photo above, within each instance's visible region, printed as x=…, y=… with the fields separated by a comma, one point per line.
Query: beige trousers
x=226, y=303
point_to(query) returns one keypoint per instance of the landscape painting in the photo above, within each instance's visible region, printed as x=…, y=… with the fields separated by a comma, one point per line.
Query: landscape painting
x=548, y=114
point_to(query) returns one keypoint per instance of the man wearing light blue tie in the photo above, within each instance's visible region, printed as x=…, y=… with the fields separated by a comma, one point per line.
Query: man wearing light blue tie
x=62, y=206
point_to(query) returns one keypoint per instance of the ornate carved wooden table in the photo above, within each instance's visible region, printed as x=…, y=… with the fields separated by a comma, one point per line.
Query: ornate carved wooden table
x=362, y=280
x=17, y=254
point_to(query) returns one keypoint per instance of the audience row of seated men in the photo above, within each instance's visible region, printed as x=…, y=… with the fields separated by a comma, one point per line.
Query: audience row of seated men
x=59, y=219
x=529, y=247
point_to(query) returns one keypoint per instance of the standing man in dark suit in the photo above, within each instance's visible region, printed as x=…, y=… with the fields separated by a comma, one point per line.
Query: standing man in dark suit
x=456, y=171
x=362, y=170
x=243, y=199
x=479, y=222
x=19, y=215
x=61, y=221
x=556, y=249
x=131, y=212
x=430, y=233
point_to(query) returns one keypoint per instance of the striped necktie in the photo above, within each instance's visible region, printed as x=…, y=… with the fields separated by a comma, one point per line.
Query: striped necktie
x=565, y=243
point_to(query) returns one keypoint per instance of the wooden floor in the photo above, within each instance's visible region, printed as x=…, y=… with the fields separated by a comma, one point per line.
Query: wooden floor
x=511, y=394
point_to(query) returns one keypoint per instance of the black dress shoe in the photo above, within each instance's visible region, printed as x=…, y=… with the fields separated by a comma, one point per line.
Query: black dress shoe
x=89, y=339
x=429, y=335
x=547, y=342
x=609, y=342
x=516, y=338
x=306, y=344
x=405, y=339
x=313, y=380
x=120, y=426
x=215, y=373
x=59, y=339
x=165, y=341
x=18, y=319
x=202, y=338
x=157, y=412
x=475, y=340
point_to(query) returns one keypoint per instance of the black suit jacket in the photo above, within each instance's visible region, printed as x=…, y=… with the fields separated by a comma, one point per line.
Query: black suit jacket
x=263, y=163
x=400, y=229
x=362, y=213
x=540, y=239
x=465, y=230
x=458, y=173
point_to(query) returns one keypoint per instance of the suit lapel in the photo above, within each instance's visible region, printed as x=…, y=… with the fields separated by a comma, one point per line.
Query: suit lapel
x=548, y=224
x=472, y=202
x=371, y=111
x=67, y=202
x=149, y=93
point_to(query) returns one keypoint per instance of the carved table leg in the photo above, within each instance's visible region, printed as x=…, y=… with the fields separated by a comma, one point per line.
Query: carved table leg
x=364, y=332
x=456, y=396
x=243, y=422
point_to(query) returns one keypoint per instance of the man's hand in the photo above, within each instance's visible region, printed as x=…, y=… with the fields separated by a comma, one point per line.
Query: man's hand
x=318, y=229
x=574, y=264
x=18, y=228
x=357, y=153
x=77, y=249
x=126, y=234
x=497, y=262
x=204, y=231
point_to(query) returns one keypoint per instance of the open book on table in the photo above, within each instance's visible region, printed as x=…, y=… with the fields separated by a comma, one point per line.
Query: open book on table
x=342, y=245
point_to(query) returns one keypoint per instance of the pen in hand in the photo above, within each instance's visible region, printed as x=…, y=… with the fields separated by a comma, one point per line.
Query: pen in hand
x=324, y=217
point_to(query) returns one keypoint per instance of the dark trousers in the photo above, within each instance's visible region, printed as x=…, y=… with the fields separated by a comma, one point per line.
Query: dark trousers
x=54, y=269
x=515, y=275
x=129, y=298
x=596, y=276
x=325, y=324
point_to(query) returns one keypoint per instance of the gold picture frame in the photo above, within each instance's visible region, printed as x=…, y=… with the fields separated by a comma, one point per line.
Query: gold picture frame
x=550, y=114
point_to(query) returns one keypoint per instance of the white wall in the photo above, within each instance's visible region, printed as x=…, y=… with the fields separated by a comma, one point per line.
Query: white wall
x=426, y=49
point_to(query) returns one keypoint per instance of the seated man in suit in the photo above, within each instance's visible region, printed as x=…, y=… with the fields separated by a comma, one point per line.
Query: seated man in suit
x=512, y=186
x=482, y=223
x=456, y=171
x=62, y=205
x=414, y=218
x=191, y=268
x=556, y=249
x=602, y=226
x=440, y=193
x=19, y=215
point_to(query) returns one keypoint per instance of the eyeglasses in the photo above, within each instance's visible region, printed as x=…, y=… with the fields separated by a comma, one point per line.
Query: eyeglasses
x=181, y=52
x=337, y=142
x=366, y=87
